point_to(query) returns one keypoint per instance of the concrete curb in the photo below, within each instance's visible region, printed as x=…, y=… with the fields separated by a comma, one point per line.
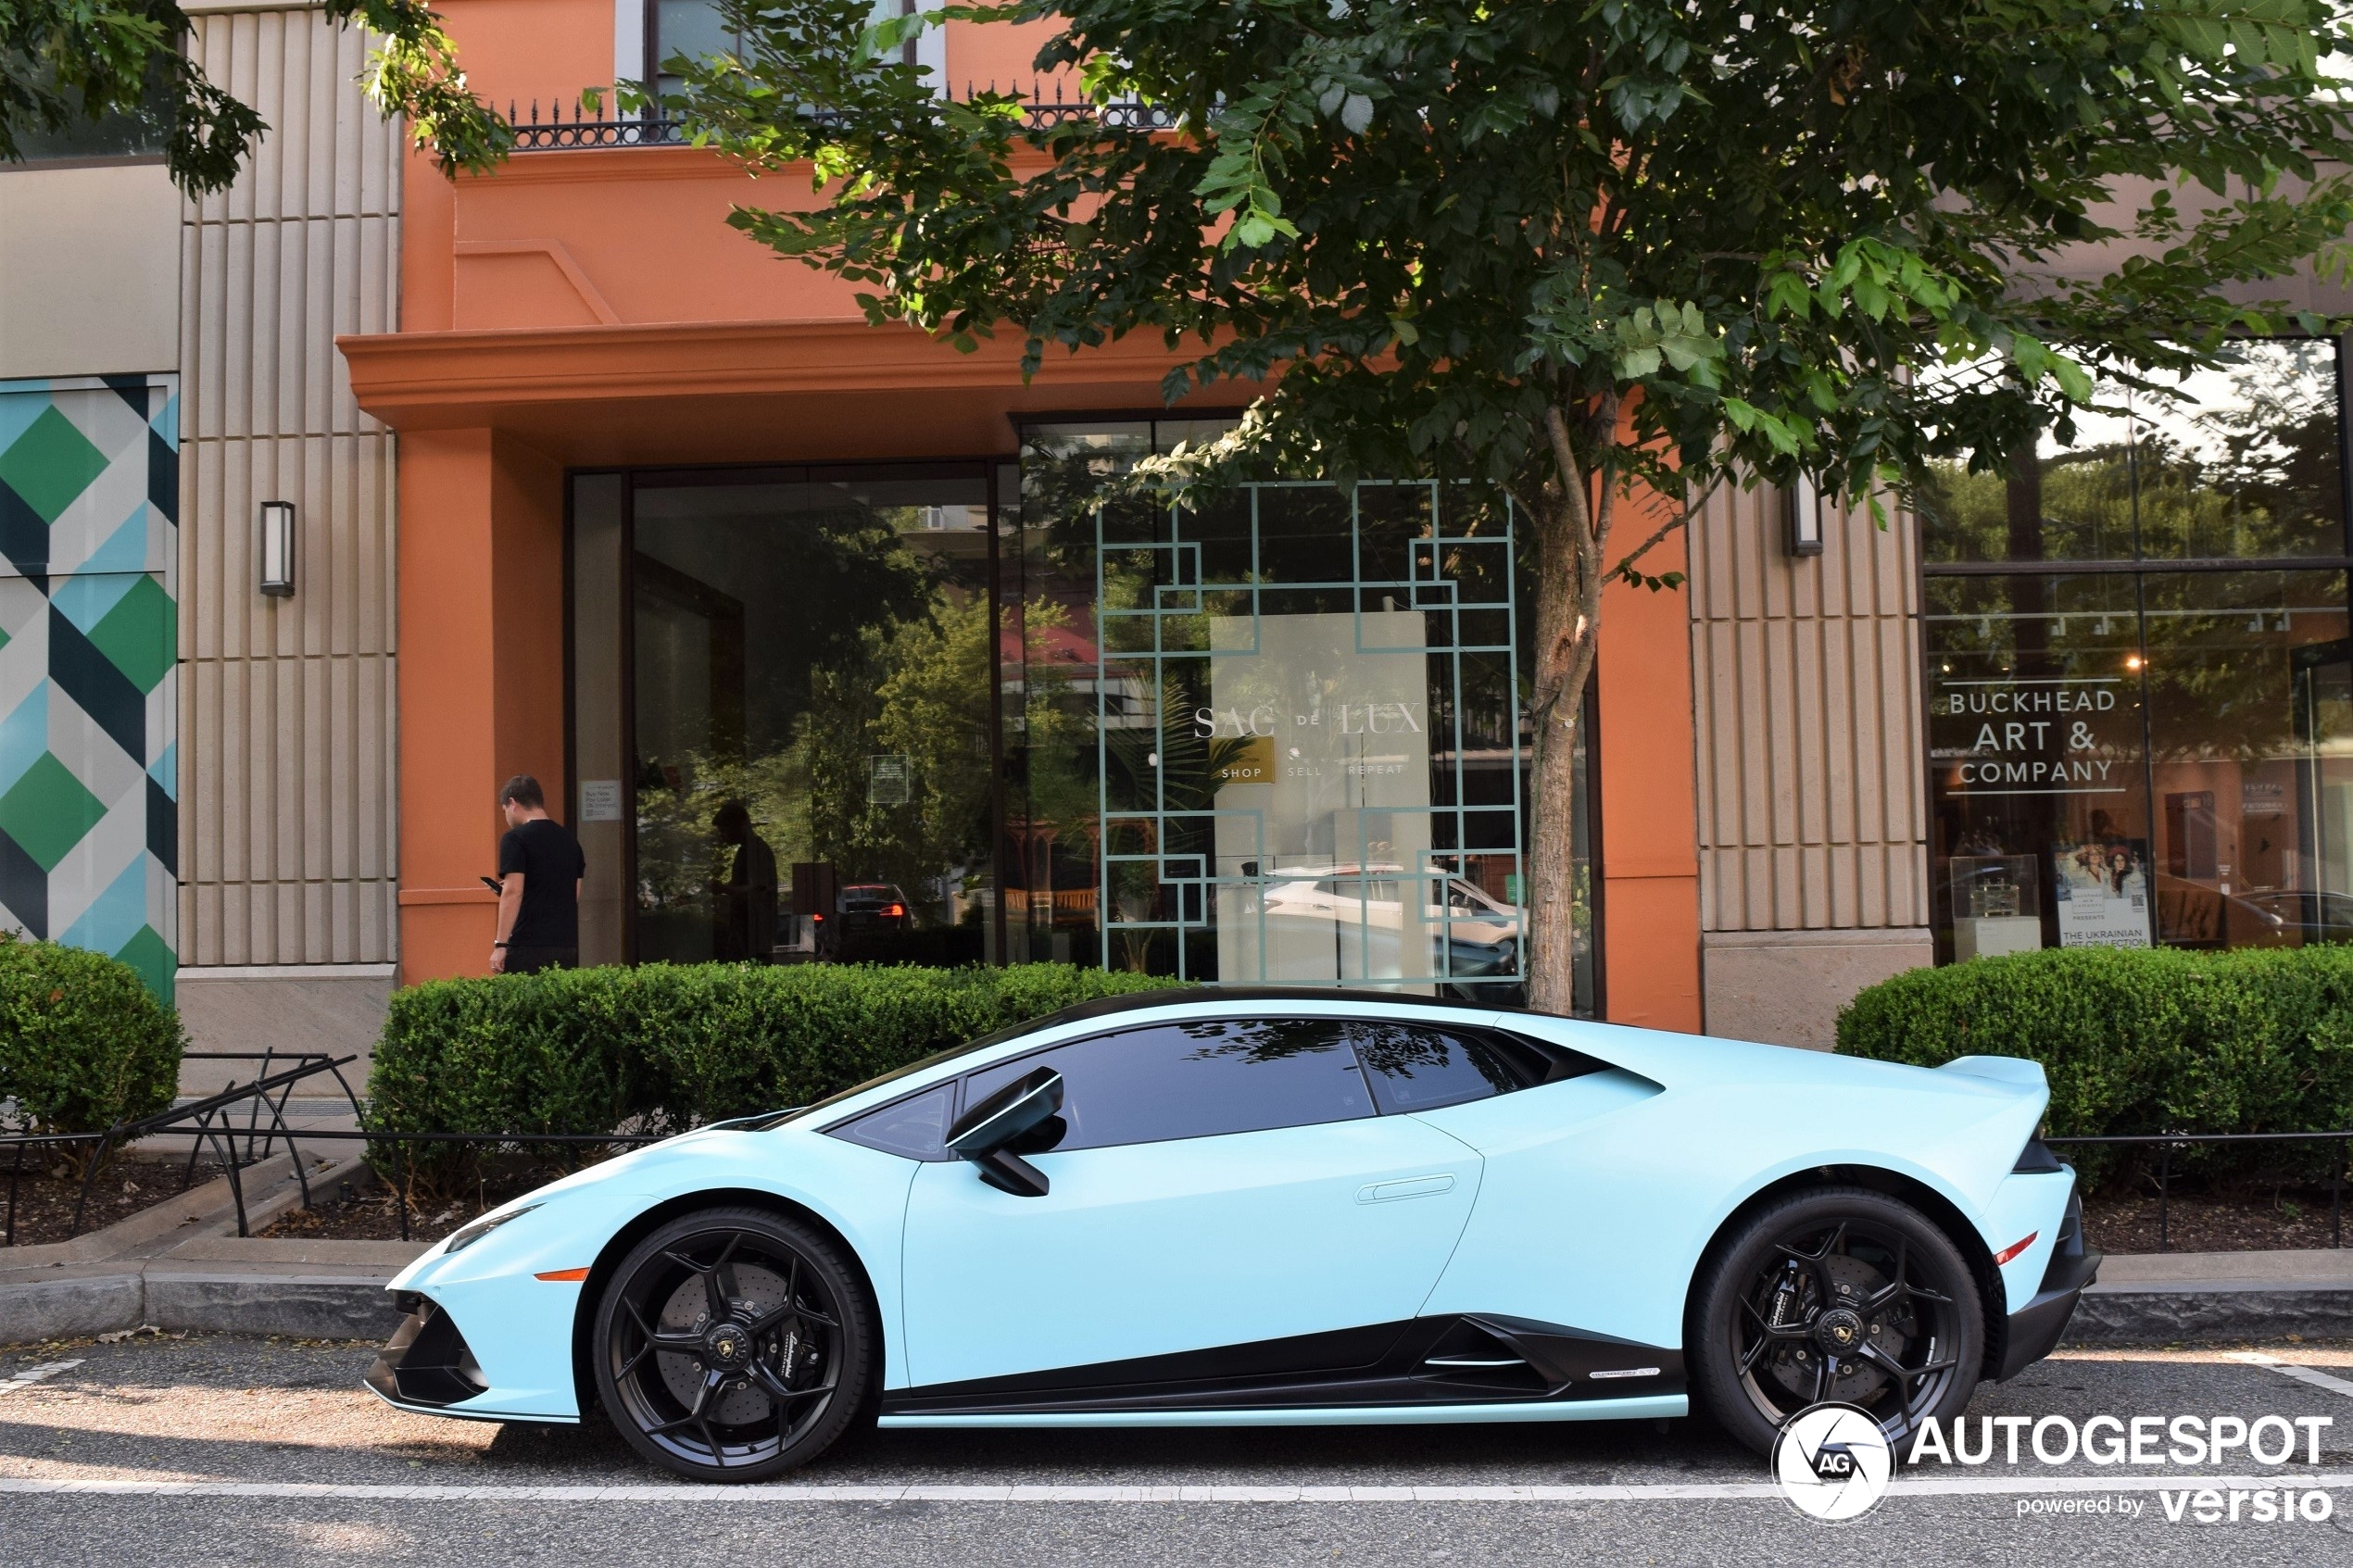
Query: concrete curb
x=70, y=1307
x=181, y=1266
x=313, y=1307
x=2156, y=1316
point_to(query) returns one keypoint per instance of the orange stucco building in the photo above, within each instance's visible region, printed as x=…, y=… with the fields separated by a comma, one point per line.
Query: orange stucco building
x=829, y=644
x=586, y=309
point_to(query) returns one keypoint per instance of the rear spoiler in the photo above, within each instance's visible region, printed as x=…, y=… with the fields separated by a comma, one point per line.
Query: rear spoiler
x=2017, y=1070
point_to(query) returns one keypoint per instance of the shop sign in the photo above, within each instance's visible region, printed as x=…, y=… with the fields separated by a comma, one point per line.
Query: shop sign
x=1251, y=763
x=1266, y=722
x=601, y=800
x=2036, y=737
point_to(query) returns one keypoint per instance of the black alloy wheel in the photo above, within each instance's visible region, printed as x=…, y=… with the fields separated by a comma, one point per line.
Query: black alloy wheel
x=1841, y=1295
x=733, y=1345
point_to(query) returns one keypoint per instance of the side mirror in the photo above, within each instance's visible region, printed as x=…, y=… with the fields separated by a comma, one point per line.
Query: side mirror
x=982, y=1134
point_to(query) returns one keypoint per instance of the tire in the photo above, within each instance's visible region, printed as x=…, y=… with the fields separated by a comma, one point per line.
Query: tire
x=734, y=1345
x=1841, y=1295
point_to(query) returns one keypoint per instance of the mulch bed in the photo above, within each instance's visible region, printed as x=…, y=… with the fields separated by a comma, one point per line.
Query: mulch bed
x=2208, y=1222
x=128, y=1185
x=366, y=1213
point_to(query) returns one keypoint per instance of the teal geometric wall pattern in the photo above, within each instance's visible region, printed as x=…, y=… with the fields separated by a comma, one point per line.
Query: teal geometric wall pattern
x=89, y=647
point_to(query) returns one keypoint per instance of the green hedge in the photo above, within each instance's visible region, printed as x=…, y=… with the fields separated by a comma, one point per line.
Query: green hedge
x=84, y=1043
x=664, y=1046
x=2144, y=1041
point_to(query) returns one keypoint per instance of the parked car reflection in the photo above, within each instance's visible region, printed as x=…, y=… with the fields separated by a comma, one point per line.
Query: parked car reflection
x=2304, y=917
x=2194, y=914
x=1361, y=910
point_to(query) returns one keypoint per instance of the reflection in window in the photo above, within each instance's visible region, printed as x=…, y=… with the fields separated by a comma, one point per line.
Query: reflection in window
x=2119, y=760
x=1194, y=1080
x=2244, y=461
x=1273, y=737
x=697, y=30
x=1415, y=1069
x=123, y=134
x=812, y=751
x=2251, y=756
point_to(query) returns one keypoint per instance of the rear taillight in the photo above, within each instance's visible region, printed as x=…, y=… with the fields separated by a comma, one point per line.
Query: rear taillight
x=895, y=910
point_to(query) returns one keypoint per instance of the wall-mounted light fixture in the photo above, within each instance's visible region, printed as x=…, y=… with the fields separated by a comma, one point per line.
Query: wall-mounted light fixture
x=277, y=553
x=1803, y=514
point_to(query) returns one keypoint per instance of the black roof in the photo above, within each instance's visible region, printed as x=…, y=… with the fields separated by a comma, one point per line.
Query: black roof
x=1246, y=995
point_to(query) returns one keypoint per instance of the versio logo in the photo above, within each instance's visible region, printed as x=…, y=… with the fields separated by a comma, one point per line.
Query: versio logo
x=1832, y=1463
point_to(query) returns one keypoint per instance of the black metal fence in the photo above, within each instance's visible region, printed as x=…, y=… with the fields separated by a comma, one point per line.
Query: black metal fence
x=214, y=1120
x=400, y=1156
x=2165, y=1143
x=236, y=1154
x=244, y=1123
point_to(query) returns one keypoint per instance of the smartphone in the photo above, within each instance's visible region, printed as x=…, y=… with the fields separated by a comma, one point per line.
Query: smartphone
x=493, y=884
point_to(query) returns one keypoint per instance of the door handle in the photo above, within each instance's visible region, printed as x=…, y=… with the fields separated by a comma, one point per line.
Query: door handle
x=1411, y=1186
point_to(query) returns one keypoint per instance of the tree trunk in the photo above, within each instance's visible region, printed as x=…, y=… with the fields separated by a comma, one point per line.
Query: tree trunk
x=1571, y=538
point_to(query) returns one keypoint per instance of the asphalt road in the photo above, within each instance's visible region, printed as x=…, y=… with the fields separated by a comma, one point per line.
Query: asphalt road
x=275, y=1418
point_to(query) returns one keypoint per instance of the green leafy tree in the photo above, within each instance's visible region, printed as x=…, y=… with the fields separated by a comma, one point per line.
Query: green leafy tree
x=1607, y=256
x=65, y=63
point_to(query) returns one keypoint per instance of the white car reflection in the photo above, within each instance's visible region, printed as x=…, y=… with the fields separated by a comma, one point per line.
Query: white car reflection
x=1361, y=910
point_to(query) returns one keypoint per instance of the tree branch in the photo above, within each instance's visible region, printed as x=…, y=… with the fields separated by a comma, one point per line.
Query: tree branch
x=1682, y=517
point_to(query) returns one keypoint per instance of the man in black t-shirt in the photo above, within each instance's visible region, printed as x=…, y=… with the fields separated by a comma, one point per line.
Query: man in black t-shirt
x=539, y=871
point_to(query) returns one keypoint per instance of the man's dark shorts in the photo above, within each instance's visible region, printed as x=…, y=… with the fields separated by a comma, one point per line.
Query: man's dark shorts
x=531, y=961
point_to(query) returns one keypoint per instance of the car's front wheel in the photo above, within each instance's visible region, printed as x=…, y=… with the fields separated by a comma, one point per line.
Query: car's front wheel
x=733, y=1345
x=1841, y=1294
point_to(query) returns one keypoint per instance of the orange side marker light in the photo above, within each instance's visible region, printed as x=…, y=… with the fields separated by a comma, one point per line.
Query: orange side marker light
x=2004, y=1256
x=575, y=1275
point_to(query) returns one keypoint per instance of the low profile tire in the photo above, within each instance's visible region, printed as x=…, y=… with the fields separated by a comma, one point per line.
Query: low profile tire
x=734, y=1345
x=1840, y=1294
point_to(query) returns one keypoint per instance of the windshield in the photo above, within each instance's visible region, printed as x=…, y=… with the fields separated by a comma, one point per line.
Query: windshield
x=1012, y=1032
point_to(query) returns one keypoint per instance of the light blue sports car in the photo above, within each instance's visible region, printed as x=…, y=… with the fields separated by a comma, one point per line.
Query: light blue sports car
x=1230, y=1207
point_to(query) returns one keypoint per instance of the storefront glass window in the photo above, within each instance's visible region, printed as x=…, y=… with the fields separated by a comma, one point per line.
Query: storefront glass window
x=2247, y=463
x=811, y=765
x=2128, y=755
x=1275, y=737
x=823, y=714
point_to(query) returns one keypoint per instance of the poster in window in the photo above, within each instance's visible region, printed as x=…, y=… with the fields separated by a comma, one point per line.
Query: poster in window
x=2103, y=887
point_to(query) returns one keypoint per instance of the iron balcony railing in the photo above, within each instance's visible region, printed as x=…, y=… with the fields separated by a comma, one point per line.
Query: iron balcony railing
x=558, y=128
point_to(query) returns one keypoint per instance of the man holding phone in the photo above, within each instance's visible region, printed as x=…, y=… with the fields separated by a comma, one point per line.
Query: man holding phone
x=540, y=867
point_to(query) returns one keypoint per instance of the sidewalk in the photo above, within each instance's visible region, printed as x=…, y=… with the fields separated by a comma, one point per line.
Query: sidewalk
x=181, y=1265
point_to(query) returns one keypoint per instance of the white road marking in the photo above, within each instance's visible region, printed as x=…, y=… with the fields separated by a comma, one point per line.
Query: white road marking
x=2301, y=1373
x=1954, y=1485
x=34, y=1374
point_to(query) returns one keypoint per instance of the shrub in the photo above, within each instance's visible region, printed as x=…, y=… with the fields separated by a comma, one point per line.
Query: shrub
x=660, y=1048
x=84, y=1043
x=2145, y=1041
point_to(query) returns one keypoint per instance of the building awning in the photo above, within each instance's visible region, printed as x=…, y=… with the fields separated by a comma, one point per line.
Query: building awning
x=713, y=391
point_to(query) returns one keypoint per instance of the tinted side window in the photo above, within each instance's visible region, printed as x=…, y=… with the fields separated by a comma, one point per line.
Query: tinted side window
x=1195, y=1080
x=1417, y=1068
x=916, y=1126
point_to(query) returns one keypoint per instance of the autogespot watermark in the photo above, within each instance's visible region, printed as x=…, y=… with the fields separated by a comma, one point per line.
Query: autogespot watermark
x=1834, y=1463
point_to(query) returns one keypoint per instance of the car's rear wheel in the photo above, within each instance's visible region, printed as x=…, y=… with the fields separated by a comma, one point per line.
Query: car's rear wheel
x=733, y=1345
x=1840, y=1294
